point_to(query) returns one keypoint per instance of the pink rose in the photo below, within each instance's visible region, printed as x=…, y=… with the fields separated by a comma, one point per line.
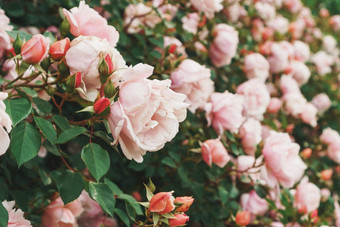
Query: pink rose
x=274, y=105
x=179, y=220
x=213, y=151
x=335, y=22
x=266, y=11
x=279, y=58
x=293, y=6
x=321, y=102
x=84, y=56
x=283, y=164
x=307, y=196
x=5, y=40
x=329, y=44
x=297, y=28
x=224, y=46
x=15, y=216
x=87, y=22
x=178, y=48
x=245, y=165
x=5, y=122
x=323, y=62
x=300, y=72
x=302, y=52
x=35, y=49
x=256, y=66
x=190, y=22
x=289, y=85
x=225, y=112
x=253, y=203
x=256, y=97
x=235, y=12
x=162, y=203
x=280, y=24
x=308, y=114
x=295, y=103
x=250, y=133
x=147, y=113
x=209, y=7
x=193, y=80
x=329, y=135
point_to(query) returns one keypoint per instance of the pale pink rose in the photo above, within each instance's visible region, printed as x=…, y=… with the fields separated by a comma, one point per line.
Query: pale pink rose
x=299, y=71
x=295, y=103
x=329, y=44
x=86, y=21
x=321, y=102
x=246, y=165
x=224, y=112
x=5, y=122
x=297, y=28
x=308, y=114
x=15, y=216
x=323, y=62
x=265, y=132
x=283, y=164
x=293, y=6
x=167, y=11
x=256, y=97
x=307, y=196
x=224, y=46
x=147, y=113
x=265, y=10
x=329, y=135
x=190, y=22
x=250, y=133
x=302, y=52
x=277, y=224
x=5, y=40
x=333, y=151
x=84, y=56
x=209, y=7
x=274, y=105
x=257, y=29
x=289, y=85
x=253, y=203
x=256, y=66
x=235, y=12
x=213, y=151
x=280, y=24
x=279, y=58
x=325, y=194
x=335, y=22
x=200, y=47
x=193, y=80
x=172, y=41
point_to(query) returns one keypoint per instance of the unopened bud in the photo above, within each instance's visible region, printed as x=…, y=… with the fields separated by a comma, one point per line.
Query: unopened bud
x=73, y=81
x=172, y=48
x=63, y=69
x=64, y=27
x=306, y=153
x=243, y=218
x=101, y=105
x=17, y=45
x=326, y=174
x=50, y=91
x=109, y=90
x=105, y=68
x=58, y=49
x=45, y=64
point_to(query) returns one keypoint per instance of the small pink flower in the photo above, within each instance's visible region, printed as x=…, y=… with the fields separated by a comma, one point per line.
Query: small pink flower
x=302, y=51
x=321, y=102
x=256, y=66
x=35, y=49
x=308, y=114
x=15, y=216
x=274, y=105
x=253, y=203
x=213, y=151
x=307, y=196
x=190, y=22
x=250, y=132
x=209, y=7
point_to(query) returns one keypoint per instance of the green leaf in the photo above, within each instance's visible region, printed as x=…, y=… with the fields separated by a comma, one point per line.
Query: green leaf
x=158, y=42
x=149, y=193
x=224, y=195
x=104, y=196
x=44, y=177
x=156, y=54
x=22, y=35
x=96, y=159
x=43, y=106
x=261, y=191
x=130, y=211
x=70, y=185
x=70, y=133
x=133, y=202
x=51, y=147
x=47, y=129
x=25, y=142
x=61, y=122
x=18, y=109
x=122, y=215
x=155, y=219
x=3, y=216
x=116, y=190
x=169, y=162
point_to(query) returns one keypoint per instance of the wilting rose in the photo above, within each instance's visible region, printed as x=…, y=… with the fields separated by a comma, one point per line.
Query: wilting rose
x=307, y=196
x=15, y=216
x=224, y=111
x=147, y=113
x=187, y=202
x=224, y=45
x=193, y=80
x=5, y=122
x=253, y=203
x=299, y=71
x=308, y=114
x=209, y=7
x=256, y=66
x=302, y=52
x=84, y=56
x=321, y=102
x=283, y=164
x=250, y=132
x=179, y=220
x=190, y=22
x=162, y=203
x=87, y=22
x=213, y=151
x=35, y=49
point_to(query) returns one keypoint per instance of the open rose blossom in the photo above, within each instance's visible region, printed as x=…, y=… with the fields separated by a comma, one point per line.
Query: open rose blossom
x=224, y=111
x=321, y=102
x=5, y=41
x=256, y=66
x=283, y=164
x=187, y=202
x=15, y=216
x=279, y=58
x=179, y=220
x=35, y=49
x=302, y=51
x=193, y=80
x=307, y=196
x=213, y=151
x=224, y=46
x=147, y=113
x=5, y=122
x=274, y=105
x=300, y=72
x=84, y=56
x=209, y=7
x=332, y=139
x=308, y=114
x=251, y=134
x=190, y=22
x=253, y=203
x=162, y=203
x=86, y=21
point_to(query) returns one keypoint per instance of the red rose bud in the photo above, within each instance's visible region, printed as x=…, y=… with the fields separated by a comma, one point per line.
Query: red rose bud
x=101, y=104
x=105, y=68
x=162, y=203
x=243, y=218
x=58, y=49
x=186, y=200
x=74, y=80
x=307, y=152
x=172, y=48
x=203, y=21
x=179, y=220
x=326, y=174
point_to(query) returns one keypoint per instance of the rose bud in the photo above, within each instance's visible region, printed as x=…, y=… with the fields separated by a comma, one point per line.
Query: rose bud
x=137, y=196
x=243, y=218
x=105, y=68
x=74, y=80
x=35, y=49
x=326, y=174
x=186, y=200
x=162, y=203
x=179, y=220
x=172, y=48
x=306, y=153
x=58, y=49
x=109, y=90
x=101, y=104
x=63, y=69
x=213, y=151
x=17, y=45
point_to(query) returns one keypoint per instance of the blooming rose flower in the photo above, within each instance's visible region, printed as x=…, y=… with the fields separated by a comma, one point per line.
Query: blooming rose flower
x=5, y=122
x=256, y=66
x=147, y=113
x=293, y=6
x=179, y=220
x=295, y=103
x=289, y=85
x=209, y=7
x=335, y=22
x=235, y=12
x=84, y=56
x=193, y=80
x=266, y=11
x=187, y=202
x=35, y=49
x=332, y=139
x=256, y=97
x=224, y=46
x=178, y=50
x=321, y=102
x=224, y=111
x=253, y=203
x=15, y=216
x=162, y=203
x=308, y=114
x=87, y=22
x=5, y=40
x=274, y=105
x=302, y=52
x=280, y=24
x=279, y=58
x=190, y=22
x=307, y=196
x=250, y=132
x=300, y=72
x=329, y=44
x=323, y=62
x=213, y=151
x=283, y=164
x=245, y=165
